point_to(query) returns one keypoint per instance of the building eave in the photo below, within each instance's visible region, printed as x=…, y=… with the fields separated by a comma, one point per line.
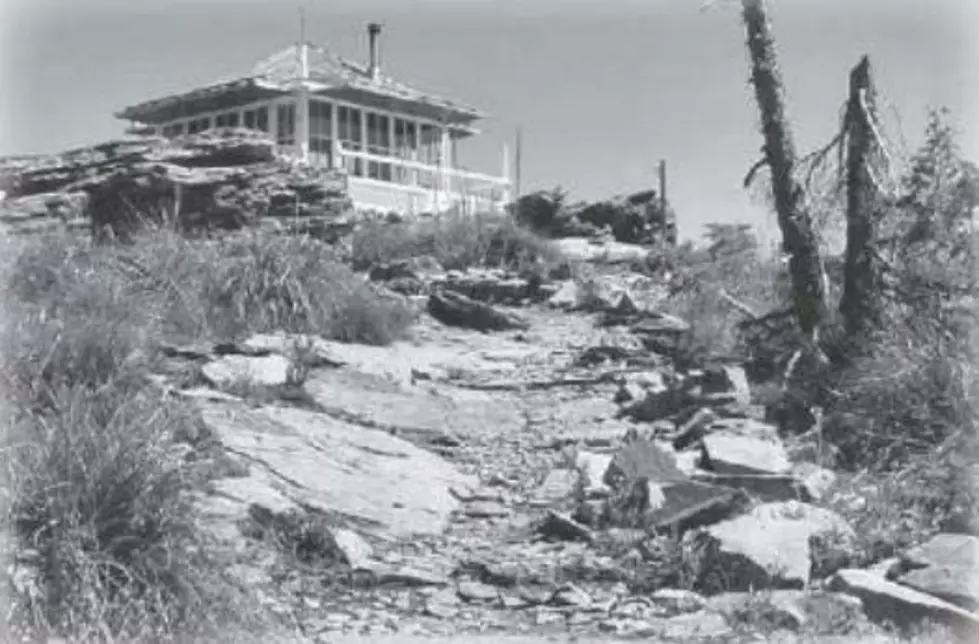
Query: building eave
x=208, y=98
x=281, y=74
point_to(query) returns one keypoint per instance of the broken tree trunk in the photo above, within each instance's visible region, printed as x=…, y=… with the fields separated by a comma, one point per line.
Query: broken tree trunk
x=860, y=305
x=798, y=238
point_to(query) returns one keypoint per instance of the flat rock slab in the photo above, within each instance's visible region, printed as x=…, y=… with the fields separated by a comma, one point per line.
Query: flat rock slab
x=947, y=566
x=769, y=547
x=887, y=601
x=959, y=586
x=764, y=487
x=642, y=458
x=687, y=504
x=960, y=550
x=440, y=357
x=309, y=459
x=375, y=401
x=730, y=454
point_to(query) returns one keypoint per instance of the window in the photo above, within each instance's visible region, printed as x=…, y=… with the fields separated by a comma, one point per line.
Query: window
x=199, y=125
x=228, y=119
x=285, y=133
x=405, y=146
x=350, y=134
x=321, y=133
x=257, y=119
x=378, y=142
x=172, y=130
x=429, y=146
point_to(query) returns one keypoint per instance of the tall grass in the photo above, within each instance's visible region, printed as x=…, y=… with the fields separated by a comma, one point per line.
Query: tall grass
x=97, y=497
x=457, y=240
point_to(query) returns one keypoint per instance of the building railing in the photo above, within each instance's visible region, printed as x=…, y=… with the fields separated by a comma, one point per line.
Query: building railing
x=407, y=185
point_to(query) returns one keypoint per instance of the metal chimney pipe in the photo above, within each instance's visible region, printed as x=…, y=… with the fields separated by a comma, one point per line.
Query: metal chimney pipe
x=374, y=37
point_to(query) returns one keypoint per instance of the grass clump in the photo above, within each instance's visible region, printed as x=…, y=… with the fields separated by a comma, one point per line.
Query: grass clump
x=458, y=241
x=97, y=493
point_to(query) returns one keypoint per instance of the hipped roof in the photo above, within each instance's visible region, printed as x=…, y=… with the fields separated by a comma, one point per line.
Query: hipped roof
x=328, y=74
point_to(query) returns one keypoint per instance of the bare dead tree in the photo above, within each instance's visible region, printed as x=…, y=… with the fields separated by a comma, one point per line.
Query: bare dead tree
x=798, y=239
x=860, y=303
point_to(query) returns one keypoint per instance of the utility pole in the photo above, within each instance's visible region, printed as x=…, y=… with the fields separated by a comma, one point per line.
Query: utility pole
x=518, y=152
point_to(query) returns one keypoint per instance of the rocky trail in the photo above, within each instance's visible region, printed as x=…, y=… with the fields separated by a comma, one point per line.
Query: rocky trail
x=554, y=480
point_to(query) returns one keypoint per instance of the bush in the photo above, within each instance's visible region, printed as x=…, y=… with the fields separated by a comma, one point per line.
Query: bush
x=217, y=289
x=458, y=241
x=98, y=496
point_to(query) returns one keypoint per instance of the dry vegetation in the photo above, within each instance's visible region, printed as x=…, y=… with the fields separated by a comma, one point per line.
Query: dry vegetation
x=96, y=487
x=456, y=240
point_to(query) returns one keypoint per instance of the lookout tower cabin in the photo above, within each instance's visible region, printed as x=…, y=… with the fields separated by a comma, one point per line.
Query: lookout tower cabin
x=398, y=145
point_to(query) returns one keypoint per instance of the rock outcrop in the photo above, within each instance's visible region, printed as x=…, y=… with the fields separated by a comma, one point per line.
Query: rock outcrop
x=217, y=180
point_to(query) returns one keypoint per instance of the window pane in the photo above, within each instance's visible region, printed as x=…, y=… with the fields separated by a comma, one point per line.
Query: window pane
x=199, y=125
x=319, y=119
x=229, y=119
x=286, y=128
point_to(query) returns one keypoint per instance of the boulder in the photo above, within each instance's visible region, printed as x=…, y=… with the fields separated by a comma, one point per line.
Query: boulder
x=776, y=545
x=454, y=309
x=496, y=286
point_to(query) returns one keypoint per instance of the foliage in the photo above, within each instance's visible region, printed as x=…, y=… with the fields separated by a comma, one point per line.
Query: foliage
x=457, y=240
x=912, y=388
x=635, y=219
x=97, y=491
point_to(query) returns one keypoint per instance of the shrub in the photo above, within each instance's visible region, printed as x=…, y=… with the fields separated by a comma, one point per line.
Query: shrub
x=458, y=241
x=217, y=289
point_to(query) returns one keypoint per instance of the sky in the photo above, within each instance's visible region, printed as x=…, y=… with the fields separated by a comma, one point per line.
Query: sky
x=601, y=90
